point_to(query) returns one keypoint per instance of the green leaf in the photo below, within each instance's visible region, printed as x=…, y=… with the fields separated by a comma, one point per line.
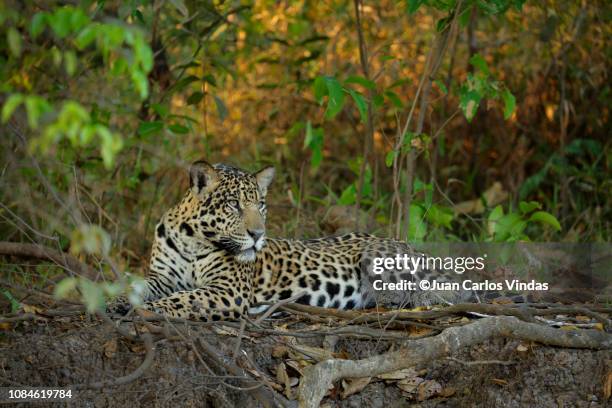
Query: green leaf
x=390, y=158
x=361, y=104
x=309, y=135
x=184, y=82
x=348, y=196
x=138, y=15
x=37, y=25
x=86, y=36
x=378, y=100
x=210, y=79
x=143, y=53
x=78, y=19
x=119, y=66
x=335, y=95
x=64, y=287
x=407, y=143
x=527, y=207
x=417, y=228
x=546, y=218
x=356, y=79
x=509, y=103
x=319, y=89
x=392, y=96
x=60, y=21
x=509, y=226
x=141, y=83
x=10, y=105
x=180, y=129
x=494, y=216
x=70, y=62
x=440, y=216
x=161, y=110
x=400, y=82
x=34, y=107
x=15, y=305
x=314, y=141
x=479, y=63
x=221, y=108
x=532, y=182
x=413, y=5
x=468, y=102
x=111, y=145
x=195, y=98
x=317, y=158
x=443, y=23
x=441, y=86
x=14, y=41
x=150, y=128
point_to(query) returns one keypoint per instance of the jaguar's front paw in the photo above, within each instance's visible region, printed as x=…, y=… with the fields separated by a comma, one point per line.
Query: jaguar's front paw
x=119, y=306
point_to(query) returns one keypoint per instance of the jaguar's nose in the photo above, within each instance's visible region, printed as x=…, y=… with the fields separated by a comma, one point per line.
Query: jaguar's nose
x=255, y=234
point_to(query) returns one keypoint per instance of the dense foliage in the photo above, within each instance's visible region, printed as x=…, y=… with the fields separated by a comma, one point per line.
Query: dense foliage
x=438, y=119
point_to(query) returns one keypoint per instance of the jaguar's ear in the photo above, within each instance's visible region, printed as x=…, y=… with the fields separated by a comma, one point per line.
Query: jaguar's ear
x=202, y=178
x=264, y=178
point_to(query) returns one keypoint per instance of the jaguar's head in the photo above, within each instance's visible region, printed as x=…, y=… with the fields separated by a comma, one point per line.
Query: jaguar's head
x=230, y=207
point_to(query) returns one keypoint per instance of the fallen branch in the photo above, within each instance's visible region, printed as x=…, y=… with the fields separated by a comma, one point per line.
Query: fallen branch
x=20, y=318
x=357, y=316
x=318, y=378
x=481, y=362
x=42, y=252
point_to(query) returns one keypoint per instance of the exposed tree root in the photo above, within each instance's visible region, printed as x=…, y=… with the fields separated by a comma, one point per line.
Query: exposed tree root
x=318, y=378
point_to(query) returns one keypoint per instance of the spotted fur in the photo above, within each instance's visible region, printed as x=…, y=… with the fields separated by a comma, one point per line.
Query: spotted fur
x=212, y=261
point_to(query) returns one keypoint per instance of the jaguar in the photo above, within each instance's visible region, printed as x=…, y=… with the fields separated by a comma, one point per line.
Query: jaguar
x=211, y=258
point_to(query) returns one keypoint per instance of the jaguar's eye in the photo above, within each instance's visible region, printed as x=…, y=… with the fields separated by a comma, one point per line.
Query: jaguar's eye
x=233, y=205
x=262, y=205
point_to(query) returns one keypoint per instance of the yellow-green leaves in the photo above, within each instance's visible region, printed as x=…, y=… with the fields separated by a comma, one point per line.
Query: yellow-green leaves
x=314, y=142
x=360, y=102
x=37, y=24
x=65, y=287
x=480, y=85
x=10, y=105
x=390, y=157
x=330, y=87
x=34, y=104
x=128, y=46
x=66, y=20
x=13, y=38
x=72, y=122
x=509, y=103
x=349, y=194
x=546, y=218
x=480, y=64
x=335, y=91
x=92, y=293
x=469, y=102
x=511, y=226
x=90, y=239
x=70, y=62
x=356, y=79
x=417, y=228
